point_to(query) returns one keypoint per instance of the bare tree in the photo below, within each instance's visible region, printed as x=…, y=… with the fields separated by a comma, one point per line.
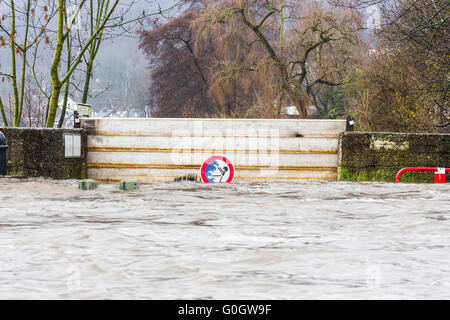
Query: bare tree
x=413, y=40
x=101, y=20
x=291, y=38
x=31, y=21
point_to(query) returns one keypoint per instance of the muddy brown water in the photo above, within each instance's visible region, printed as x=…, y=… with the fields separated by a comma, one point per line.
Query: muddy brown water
x=187, y=240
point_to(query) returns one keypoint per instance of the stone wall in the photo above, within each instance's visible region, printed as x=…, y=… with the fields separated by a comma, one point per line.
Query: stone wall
x=41, y=153
x=379, y=156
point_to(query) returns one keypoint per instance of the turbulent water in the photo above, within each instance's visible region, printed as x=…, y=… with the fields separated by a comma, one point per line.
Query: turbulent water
x=318, y=240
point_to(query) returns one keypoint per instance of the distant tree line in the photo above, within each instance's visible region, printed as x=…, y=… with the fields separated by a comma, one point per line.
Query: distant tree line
x=236, y=58
x=251, y=58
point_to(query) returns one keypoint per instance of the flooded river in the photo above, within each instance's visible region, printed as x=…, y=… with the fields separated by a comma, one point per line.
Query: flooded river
x=318, y=240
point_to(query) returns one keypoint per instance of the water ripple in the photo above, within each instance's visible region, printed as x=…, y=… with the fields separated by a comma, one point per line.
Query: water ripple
x=316, y=240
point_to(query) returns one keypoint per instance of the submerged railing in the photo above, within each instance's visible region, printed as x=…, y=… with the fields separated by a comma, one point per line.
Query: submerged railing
x=439, y=173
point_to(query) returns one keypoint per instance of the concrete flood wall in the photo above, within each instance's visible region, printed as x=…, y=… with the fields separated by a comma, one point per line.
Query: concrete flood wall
x=44, y=153
x=379, y=156
x=151, y=150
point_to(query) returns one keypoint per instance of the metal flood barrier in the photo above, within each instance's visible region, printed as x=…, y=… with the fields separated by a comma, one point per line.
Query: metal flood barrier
x=158, y=150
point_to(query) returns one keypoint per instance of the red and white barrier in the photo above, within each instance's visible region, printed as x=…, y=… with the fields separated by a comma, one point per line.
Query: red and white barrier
x=439, y=173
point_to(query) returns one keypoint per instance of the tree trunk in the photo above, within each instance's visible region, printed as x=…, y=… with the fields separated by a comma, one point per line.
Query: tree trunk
x=67, y=85
x=64, y=106
x=56, y=91
x=24, y=61
x=13, y=66
x=2, y=111
x=298, y=99
x=87, y=82
x=56, y=85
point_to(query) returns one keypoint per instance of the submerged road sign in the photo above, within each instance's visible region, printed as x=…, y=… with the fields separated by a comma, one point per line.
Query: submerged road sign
x=217, y=169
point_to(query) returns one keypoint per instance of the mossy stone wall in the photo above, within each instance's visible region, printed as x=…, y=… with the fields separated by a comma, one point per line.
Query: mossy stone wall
x=379, y=156
x=40, y=153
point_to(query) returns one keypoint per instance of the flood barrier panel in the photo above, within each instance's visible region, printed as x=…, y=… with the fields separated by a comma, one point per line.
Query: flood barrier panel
x=157, y=150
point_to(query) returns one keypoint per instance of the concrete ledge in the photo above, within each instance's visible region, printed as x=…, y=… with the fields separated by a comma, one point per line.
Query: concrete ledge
x=129, y=185
x=379, y=156
x=88, y=184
